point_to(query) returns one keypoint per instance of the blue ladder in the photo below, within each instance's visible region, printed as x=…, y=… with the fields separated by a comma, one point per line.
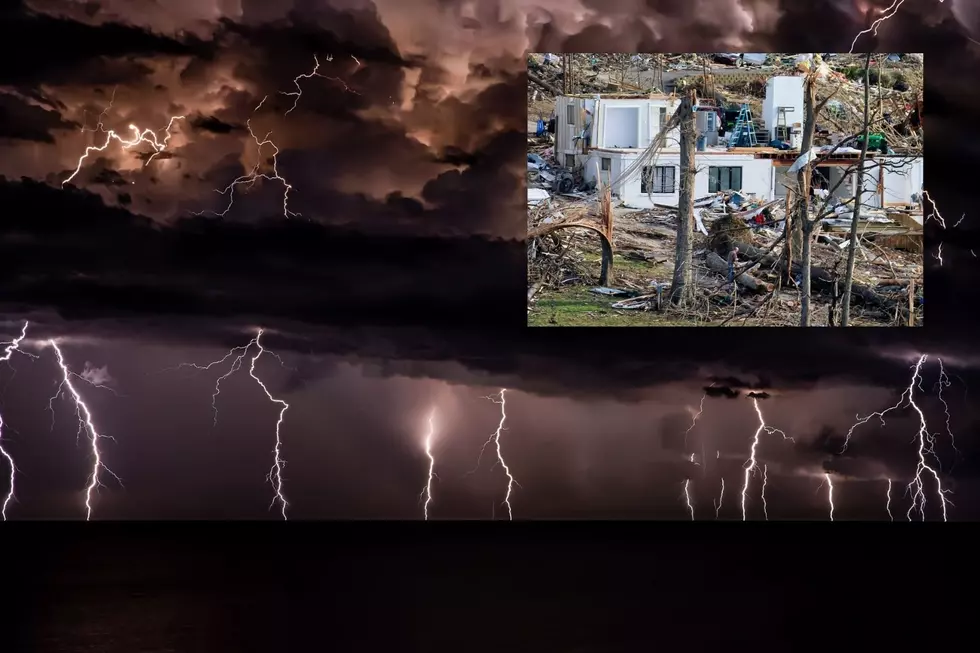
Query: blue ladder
x=744, y=133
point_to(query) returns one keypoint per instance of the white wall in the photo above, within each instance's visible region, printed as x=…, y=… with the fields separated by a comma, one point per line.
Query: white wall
x=610, y=126
x=621, y=127
x=593, y=167
x=782, y=91
x=901, y=181
x=757, y=176
x=616, y=123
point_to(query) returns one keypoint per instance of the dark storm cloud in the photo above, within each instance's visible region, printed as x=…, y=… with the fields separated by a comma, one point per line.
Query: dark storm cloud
x=286, y=268
x=20, y=120
x=465, y=124
x=79, y=48
x=722, y=391
x=214, y=125
x=108, y=177
x=193, y=62
x=67, y=250
x=457, y=143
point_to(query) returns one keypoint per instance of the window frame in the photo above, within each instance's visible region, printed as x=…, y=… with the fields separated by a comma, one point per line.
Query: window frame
x=719, y=174
x=659, y=175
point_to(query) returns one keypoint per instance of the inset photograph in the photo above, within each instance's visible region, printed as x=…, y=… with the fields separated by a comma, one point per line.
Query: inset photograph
x=725, y=189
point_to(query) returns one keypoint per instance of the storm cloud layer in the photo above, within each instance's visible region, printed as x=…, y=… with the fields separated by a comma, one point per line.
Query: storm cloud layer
x=405, y=264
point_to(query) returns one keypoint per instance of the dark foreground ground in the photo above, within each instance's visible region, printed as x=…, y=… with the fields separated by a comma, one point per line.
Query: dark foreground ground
x=579, y=587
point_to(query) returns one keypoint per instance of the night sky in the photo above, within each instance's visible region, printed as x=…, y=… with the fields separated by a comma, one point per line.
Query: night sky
x=395, y=286
x=392, y=283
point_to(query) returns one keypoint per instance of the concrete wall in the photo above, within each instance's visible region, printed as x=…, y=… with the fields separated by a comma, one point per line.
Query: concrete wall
x=757, y=176
x=783, y=91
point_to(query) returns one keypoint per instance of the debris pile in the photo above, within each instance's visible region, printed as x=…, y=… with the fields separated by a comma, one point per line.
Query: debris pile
x=734, y=232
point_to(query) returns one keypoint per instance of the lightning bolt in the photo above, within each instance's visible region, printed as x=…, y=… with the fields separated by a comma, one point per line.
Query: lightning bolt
x=888, y=501
x=298, y=93
x=86, y=425
x=427, y=490
x=765, y=483
x=934, y=214
x=687, y=497
x=249, y=179
x=751, y=466
x=925, y=446
x=11, y=347
x=938, y=218
x=275, y=473
x=830, y=493
x=140, y=136
x=694, y=418
x=873, y=30
x=274, y=477
x=494, y=439
x=99, y=127
x=721, y=498
x=944, y=382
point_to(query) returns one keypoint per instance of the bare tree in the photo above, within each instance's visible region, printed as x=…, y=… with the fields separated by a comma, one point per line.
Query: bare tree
x=795, y=224
x=682, y=284
x=852, y=249
x=802, y=225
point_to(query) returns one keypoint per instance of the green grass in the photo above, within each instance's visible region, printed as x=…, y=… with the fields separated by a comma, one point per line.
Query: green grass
x=625, y=268
x=575, y=305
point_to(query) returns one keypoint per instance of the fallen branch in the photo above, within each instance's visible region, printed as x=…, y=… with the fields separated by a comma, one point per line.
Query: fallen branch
x=747, y=281
x=820, y=278
x=554, y=90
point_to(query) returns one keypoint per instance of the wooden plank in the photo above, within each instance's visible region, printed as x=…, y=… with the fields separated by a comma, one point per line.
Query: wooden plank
x=908, y=220
x=908, y=242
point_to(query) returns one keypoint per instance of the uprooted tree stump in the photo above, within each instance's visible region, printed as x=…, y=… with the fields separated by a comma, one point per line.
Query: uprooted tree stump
x=607, y=250
x=725, y=232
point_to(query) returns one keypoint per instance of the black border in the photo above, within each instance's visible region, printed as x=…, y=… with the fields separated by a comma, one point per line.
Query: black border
x=488, y=586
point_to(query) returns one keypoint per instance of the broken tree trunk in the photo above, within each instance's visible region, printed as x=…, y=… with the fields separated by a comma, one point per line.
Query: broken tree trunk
x=845, y=311
x=745, y=280
x=821, y=278
x=682, y=284
x=543, y=84
x=806, y=225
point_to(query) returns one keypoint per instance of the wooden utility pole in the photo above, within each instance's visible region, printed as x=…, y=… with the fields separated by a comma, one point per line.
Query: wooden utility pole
x=682, y=284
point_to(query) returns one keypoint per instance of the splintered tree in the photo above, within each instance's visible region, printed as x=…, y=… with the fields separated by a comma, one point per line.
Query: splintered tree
x=803, y=223
x=845, y=313
x=795, y=250
x=682, y=285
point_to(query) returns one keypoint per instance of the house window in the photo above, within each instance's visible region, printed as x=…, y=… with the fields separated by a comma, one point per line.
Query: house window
x=710, y=121
x=658, y=180
x=606, y=163
x=569, y=160
x=663, y=116
x=721, y=178
x=570, y=114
